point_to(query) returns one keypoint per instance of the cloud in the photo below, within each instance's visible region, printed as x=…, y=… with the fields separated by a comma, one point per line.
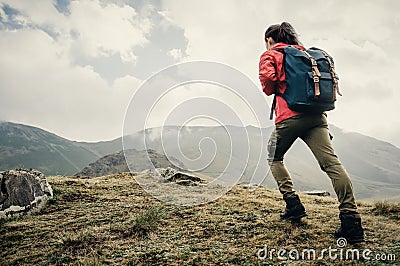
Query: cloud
x=3, y=15
x=215, y=32
x=37, y=13
x=118, y=29
x=42, y=88
x=176, y=54
x=91, y=28
x=41, y=83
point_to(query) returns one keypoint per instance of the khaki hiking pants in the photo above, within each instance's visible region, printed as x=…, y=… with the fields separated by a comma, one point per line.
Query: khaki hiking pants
x=313, y=130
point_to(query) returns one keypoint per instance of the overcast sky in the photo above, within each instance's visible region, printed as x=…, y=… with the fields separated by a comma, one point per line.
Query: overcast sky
x=71, y=67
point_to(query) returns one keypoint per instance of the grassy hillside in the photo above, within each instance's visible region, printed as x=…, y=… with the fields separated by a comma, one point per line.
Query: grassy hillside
x=111, y=220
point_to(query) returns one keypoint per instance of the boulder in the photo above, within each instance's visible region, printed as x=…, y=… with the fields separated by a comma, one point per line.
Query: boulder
x=320, y=193
x=170, y=174
x=22, y=192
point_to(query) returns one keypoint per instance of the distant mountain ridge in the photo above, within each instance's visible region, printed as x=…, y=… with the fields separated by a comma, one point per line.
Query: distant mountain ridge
x=30, y=147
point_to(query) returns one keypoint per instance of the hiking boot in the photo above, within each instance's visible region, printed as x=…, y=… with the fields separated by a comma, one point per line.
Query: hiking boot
x=294, y=208
x=350, y=228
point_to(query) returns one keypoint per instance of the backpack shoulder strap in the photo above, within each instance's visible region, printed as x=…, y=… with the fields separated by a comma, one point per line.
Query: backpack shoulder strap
x=316, y=74
x=282, y=50
x=271, y=114
x=276, y=93
x=333, y=74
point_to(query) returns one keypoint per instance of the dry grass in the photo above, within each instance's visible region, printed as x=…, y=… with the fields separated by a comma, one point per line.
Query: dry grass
x=387, y=208
x=111, y=220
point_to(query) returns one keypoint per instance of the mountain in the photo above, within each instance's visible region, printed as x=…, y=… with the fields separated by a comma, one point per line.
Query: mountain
x=24, y=146
x=116, y=163
x=101, y=148
x=374, y=165
x=111, y=220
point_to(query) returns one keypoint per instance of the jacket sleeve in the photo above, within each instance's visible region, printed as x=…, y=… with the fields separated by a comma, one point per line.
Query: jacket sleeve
x=267, y=72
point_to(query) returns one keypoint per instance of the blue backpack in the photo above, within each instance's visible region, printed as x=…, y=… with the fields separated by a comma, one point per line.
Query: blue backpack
x=311, y=80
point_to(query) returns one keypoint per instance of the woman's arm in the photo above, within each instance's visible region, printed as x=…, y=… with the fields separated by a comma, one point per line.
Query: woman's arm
x=267, y=72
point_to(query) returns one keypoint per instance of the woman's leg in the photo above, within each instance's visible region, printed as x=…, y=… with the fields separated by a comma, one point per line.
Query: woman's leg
x=318, y=140
x=284, y=135
x=279, y=143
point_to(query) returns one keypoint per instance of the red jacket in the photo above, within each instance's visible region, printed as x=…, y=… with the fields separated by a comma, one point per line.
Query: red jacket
x=271, y=74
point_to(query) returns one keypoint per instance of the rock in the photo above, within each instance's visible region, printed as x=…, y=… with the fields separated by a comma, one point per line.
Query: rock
x=139, y=161
x=181, y=178
x=320, y=193
x=167, y=172
x=22, y=192
x=186, y=182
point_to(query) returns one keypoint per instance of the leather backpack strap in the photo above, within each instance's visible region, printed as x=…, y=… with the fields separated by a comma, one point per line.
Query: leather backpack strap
x=316, y=74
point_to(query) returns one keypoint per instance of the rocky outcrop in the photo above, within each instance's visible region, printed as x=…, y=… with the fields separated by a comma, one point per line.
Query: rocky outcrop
x=138, y=161
x=320, y=193
x=181, y=178
x=23, y=191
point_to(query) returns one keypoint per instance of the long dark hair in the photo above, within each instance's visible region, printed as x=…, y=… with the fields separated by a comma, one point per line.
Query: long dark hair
x=283, y=32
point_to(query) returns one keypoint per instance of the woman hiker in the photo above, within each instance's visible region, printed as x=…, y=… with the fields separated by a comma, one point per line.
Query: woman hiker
x=312, y=129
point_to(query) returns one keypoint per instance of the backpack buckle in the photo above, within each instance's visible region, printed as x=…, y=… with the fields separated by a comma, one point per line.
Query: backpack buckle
x=316, y=70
